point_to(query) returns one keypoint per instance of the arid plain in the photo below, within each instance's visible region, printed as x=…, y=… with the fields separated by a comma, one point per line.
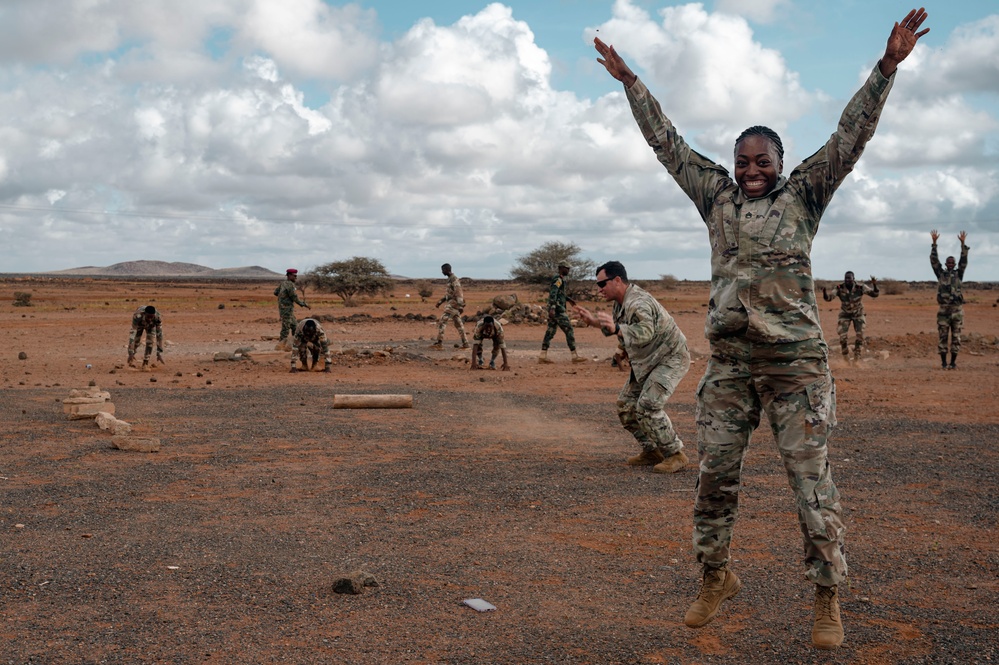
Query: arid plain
x=506, y=486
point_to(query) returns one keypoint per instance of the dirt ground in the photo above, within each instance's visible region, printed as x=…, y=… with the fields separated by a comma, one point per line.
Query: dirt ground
x=507, y=486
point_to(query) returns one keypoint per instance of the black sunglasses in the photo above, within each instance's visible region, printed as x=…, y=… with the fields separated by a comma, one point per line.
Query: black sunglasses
x=603, y=282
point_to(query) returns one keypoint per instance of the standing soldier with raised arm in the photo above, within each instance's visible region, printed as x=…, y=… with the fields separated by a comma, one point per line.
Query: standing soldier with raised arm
x=950, y=316
x=454, y=305
x=851, y=294
x=768, y=357
x=287, y=297
x=557, y=316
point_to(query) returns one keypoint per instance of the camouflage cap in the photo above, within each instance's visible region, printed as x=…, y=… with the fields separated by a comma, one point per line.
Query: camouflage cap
x=565, y=264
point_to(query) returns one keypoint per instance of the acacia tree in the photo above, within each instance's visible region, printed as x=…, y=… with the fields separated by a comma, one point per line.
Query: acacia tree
x=539, y=266
x=357, y=276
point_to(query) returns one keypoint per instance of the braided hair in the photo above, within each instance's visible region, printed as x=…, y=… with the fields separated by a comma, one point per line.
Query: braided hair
x=765, y=132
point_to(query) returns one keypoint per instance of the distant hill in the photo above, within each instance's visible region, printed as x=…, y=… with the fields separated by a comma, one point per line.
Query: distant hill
x=166, y=269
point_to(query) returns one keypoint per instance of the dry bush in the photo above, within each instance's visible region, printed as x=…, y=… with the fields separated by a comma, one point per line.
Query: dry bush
x=22, y=299
x=668, y=282
x=425, y=289
x=892, y=287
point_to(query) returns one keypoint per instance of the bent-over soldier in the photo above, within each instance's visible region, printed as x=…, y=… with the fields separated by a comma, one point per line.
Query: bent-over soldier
x=851, y=294
x=489, y=328
x=657, y=353
x=310, y=339
x=146, y=320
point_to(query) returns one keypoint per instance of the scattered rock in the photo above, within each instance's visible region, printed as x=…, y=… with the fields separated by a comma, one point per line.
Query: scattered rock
x=355, y=582
x=136, y=443
x=22, y=356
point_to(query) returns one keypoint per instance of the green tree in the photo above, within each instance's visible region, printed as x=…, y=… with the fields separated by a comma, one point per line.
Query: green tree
x=357, y=276
x=539, y=266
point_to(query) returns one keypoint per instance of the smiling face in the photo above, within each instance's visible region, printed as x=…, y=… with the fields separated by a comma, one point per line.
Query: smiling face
x=757, y=166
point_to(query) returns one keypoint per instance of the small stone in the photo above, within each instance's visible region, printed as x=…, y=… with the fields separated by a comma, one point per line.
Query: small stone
x=22, y=356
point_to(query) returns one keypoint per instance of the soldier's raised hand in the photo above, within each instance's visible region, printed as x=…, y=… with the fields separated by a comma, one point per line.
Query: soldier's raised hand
x=962, y=236
x=902, y=40
x=935, y=235
x=613, y=63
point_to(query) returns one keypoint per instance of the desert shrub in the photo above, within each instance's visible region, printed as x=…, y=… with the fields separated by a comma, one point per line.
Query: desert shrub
x=22, y=299
x=892, y=287
x=425, y=289
x=668, y=282
x=357, y=276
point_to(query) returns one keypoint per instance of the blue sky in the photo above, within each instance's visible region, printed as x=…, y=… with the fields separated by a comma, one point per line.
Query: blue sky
x=296, y=132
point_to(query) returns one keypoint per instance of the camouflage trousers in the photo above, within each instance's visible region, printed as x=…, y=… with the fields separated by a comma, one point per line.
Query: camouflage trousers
x=300, y=350
x=562, y=321
x=792, y=385
x=135, y=338
x=641, y=406
x=950, y=321
x=843, y=330
x=288, y=322
x=451, y=314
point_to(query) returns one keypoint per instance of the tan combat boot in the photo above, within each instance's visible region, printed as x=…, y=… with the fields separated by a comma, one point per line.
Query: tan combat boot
x=717, y=585
x=576, y=358
x=437, y=345
x=827, y=633
x=672, y=464
x=647, y=458
x=543, y=358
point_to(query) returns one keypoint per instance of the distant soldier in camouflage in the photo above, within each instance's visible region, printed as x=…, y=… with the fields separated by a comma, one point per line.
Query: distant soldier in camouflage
x=146, y=320
x=950, y=316
x=657, y=352
x=557, y=316
x=489, y=328
x=767, y=352
x=287, y=297
x=310, y=339
x=454, y=305
x=851, y=294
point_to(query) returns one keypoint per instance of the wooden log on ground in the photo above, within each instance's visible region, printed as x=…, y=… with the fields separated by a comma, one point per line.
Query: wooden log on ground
x=372, y=401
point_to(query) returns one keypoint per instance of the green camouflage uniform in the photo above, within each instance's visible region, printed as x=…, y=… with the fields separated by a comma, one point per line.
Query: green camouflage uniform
x=556, y=301
x=139, y=326
x=950, y=316
x=767, y=351
x=852, y=311
x=454, y=305
x=304, y=341
x=287, y=297
x=659, y=360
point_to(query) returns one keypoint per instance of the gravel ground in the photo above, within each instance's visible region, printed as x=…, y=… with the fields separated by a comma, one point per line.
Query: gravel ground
x=223, y=547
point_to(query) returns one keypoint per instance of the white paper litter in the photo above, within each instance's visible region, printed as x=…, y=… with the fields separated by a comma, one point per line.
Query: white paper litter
x=479, y=605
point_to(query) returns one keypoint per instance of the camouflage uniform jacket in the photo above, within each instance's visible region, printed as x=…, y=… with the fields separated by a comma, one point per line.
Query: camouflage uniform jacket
x=761, y=273
x=454, y=297
x=949, y=281
x=140, y=325
x=648, y=333
x=317, y=337
x=287, y=295
x=556, y=294
x=496, y=336
x=851, y=300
